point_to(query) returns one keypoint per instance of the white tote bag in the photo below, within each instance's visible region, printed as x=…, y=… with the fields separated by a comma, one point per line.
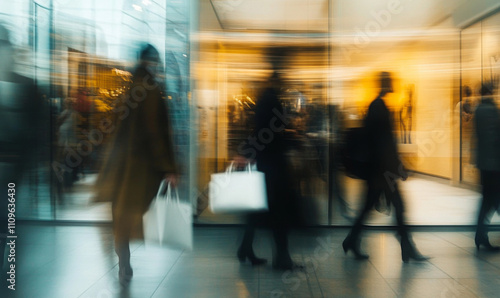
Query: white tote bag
x=238, y=192
x=168, y=221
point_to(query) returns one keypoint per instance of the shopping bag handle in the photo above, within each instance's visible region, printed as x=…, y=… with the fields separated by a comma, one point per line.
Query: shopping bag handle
x=169, y=192
x=162, y=188
x=167, y=186
x=230, y=168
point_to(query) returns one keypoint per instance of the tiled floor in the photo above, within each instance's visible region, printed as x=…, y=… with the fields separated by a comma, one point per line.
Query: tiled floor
x=78, y=261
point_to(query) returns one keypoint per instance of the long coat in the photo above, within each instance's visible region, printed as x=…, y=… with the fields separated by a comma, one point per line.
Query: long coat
x=380, y=139
x=487, y=126
x=140, y=154
x=270, y=124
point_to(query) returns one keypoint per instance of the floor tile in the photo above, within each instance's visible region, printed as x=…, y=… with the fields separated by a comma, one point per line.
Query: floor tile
x=429, y=287
x=355, y=287
x=73, y=261
x=484, y=287
x=207, y=287
x=292, y=284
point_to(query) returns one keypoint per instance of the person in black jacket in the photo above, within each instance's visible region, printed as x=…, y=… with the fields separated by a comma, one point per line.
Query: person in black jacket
x=268, y=148
x=385, y=169
x=487, y=128
x=20, y=131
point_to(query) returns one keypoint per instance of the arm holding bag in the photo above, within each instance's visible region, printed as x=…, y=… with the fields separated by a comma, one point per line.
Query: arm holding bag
x=168, y=221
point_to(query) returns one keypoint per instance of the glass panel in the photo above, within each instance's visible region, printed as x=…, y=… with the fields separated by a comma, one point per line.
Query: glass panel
x=81, y=54
x=490, y=49
x=233, y=76
x=25, y=112
x=471, y=82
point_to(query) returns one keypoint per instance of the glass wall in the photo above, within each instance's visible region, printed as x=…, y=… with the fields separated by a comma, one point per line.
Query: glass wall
x=479, y=63
x=471, y=81
x=428, y=61
x=29, y=36
x=231, y=74
x=80, y=54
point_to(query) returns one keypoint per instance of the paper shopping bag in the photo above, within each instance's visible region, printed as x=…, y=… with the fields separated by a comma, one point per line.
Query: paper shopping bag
x=238, y=192
x=168, y=221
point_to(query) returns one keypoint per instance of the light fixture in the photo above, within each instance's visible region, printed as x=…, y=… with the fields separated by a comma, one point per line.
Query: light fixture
x=137, y=7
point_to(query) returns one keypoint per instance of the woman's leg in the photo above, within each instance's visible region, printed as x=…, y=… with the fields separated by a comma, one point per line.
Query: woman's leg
x=353, y=240
x=489, y=182
x=392, y=194
x=408, y=249
x=482, y=219
x=246, y=247
x=122, y=249
x=122, y=231
x=373, y=193
x=282, y=259
x=247, y=243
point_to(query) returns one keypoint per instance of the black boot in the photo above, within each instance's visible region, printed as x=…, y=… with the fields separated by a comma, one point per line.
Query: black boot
x=246, y=250
x=482, y=239
x=282, y=259
x=408, y=251
x=125, y=271
x=353, y=243
x=244, y=253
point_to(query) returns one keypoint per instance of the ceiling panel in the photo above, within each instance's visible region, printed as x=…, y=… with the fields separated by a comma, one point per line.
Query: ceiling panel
x=282, y=15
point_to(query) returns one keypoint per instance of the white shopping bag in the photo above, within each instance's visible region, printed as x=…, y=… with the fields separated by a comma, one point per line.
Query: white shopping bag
x=168, y=221
x=238, y=192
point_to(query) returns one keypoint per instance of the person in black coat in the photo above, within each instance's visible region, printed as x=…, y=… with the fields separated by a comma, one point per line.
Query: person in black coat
x=20, y=131
x=384, y=171
x=267, y=147
x=487, y=129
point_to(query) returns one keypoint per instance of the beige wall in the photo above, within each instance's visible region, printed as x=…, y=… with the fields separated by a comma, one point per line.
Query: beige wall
x=431, y=64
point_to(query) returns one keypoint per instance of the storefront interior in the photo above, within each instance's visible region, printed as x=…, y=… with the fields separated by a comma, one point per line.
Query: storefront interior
x=215, y=55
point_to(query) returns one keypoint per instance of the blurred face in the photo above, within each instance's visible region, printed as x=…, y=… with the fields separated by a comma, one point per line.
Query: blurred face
x=152, y=66
x=385, y=83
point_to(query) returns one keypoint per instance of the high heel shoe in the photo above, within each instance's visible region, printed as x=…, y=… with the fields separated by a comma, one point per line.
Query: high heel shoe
x=125, y=274
x=408, y=251
x=485, y=242
x=245, y=254
x=352, y=245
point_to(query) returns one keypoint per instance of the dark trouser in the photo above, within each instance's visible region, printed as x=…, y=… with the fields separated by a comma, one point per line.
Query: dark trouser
x=281, y=210
x=280, y=235
x=378, y=184
x=490, y=181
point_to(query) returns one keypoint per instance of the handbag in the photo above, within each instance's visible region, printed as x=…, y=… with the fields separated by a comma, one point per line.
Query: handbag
x=238, y=192
x=168, y=221
x=355, y=154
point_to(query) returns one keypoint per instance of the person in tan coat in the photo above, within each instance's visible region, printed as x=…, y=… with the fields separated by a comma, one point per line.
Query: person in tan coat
x=140, y=156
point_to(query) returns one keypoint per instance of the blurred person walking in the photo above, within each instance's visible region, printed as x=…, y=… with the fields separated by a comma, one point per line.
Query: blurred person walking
x=140, y=156
x=269, y=152
x=20, y=131
x=67, y=140
x=384, y=170
x=336, y=191
x=487, y=129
